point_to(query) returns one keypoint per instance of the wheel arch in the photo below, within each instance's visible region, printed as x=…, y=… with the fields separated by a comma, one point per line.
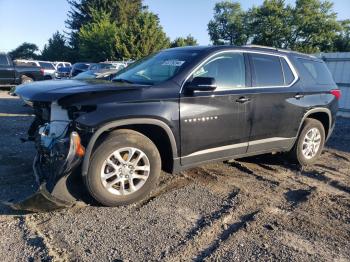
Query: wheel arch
x=145, y=126
x=321, y=114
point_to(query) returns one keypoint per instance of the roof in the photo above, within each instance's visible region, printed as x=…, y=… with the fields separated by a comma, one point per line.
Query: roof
x=267, y=49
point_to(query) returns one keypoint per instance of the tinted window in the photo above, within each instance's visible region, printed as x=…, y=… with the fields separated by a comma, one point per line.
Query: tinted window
x=267, y=70
x=288, y=74
x=3, y=60
x=46, y=65
x=81, y=66
x=317, y=71
x=227, y=69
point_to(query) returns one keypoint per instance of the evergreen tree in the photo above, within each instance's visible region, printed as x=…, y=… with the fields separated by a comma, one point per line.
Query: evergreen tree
x=56, y=49
x=141, y=37
x=121, y=12
x=97, y=38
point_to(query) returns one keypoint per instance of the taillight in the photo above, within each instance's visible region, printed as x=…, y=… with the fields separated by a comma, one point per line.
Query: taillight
x=41, y=71
x=336, y=93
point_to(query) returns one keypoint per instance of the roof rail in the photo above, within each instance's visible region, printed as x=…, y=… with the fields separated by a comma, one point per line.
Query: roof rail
x=268, y=47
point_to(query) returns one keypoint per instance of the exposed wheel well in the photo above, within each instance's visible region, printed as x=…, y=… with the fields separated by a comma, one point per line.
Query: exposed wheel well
x=28, y=75
x=323, y=118
x=158, y=136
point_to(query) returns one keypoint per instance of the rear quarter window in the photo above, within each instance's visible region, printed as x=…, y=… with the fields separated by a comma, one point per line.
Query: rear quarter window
x=288, y=74
x=316, y=72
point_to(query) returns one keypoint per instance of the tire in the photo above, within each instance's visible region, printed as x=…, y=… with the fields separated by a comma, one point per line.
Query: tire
x=299, y=152
x=123, y=193
x=26, y=79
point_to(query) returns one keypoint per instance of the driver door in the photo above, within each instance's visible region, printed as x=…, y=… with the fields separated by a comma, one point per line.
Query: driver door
x=215, y=124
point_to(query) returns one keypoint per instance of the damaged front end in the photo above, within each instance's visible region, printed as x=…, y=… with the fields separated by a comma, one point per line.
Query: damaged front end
x=59, y=153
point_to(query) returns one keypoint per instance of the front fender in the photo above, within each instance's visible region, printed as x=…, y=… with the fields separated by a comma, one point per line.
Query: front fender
x=125, y=122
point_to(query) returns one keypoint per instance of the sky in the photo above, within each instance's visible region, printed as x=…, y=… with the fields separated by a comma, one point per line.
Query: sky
x=35, y=21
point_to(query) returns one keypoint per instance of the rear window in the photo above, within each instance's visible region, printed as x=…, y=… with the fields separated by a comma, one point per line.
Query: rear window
x=267, y=70
x=317, y=71
x=46, y=65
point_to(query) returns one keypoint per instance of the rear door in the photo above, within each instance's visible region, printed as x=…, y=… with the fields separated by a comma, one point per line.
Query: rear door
x=276, y=98
x=7, y=73
x=215, y=124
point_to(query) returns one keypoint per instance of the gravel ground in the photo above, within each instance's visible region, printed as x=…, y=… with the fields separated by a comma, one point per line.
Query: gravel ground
x=254, y=209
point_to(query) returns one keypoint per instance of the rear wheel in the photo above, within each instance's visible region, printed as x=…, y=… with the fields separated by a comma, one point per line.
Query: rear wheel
x=124, y=169
x=310, y=142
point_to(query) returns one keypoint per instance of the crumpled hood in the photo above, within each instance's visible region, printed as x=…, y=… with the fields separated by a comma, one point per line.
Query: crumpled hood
x=54, y=90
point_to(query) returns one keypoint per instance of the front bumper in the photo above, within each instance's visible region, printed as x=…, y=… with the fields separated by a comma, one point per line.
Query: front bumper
x=55, y=190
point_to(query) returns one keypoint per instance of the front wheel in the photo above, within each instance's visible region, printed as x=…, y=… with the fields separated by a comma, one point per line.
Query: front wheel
x=310, y=143
x=124, y=169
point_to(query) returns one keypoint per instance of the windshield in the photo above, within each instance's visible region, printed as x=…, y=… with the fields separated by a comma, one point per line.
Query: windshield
x=156, y=68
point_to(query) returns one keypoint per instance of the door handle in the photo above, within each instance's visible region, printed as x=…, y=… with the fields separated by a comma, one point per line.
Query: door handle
x=243, y=100
x=298, y=96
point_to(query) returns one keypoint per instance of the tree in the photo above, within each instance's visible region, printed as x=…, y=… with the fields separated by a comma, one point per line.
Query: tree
x=315, y=26
x=56, y=49
x=97, y=38
x=310, y=26
x=140, y=37
x=228, y=25
x=270, y=24
x=342, y=41
x=180, y=41
x=25, y=51
x=121, y=11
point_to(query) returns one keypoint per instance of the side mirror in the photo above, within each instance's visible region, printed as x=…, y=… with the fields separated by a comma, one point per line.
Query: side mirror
x=201, y=84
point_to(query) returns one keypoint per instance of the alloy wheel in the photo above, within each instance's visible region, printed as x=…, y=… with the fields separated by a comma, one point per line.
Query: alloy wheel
x=125, y=171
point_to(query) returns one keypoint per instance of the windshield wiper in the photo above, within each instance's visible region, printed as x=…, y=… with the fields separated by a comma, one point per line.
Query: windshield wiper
x=122, y=80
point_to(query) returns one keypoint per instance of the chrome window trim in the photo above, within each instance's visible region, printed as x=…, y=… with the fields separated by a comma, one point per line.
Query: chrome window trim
x=296, y=77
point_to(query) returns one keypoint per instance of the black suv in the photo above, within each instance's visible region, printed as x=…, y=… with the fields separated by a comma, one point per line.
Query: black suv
x=175, y=109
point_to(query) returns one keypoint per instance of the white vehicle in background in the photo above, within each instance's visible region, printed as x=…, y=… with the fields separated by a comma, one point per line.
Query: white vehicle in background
x=61, y=64
x=116, y=64
x=47, y=68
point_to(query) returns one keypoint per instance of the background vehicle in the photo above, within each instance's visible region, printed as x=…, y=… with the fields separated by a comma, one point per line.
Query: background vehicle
x=104, y=74
x=63, y=72
x=13, y=74
x=77, y=68
x=57, y=65
x=47, y=68
x=249, y=100
x=106, y=65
